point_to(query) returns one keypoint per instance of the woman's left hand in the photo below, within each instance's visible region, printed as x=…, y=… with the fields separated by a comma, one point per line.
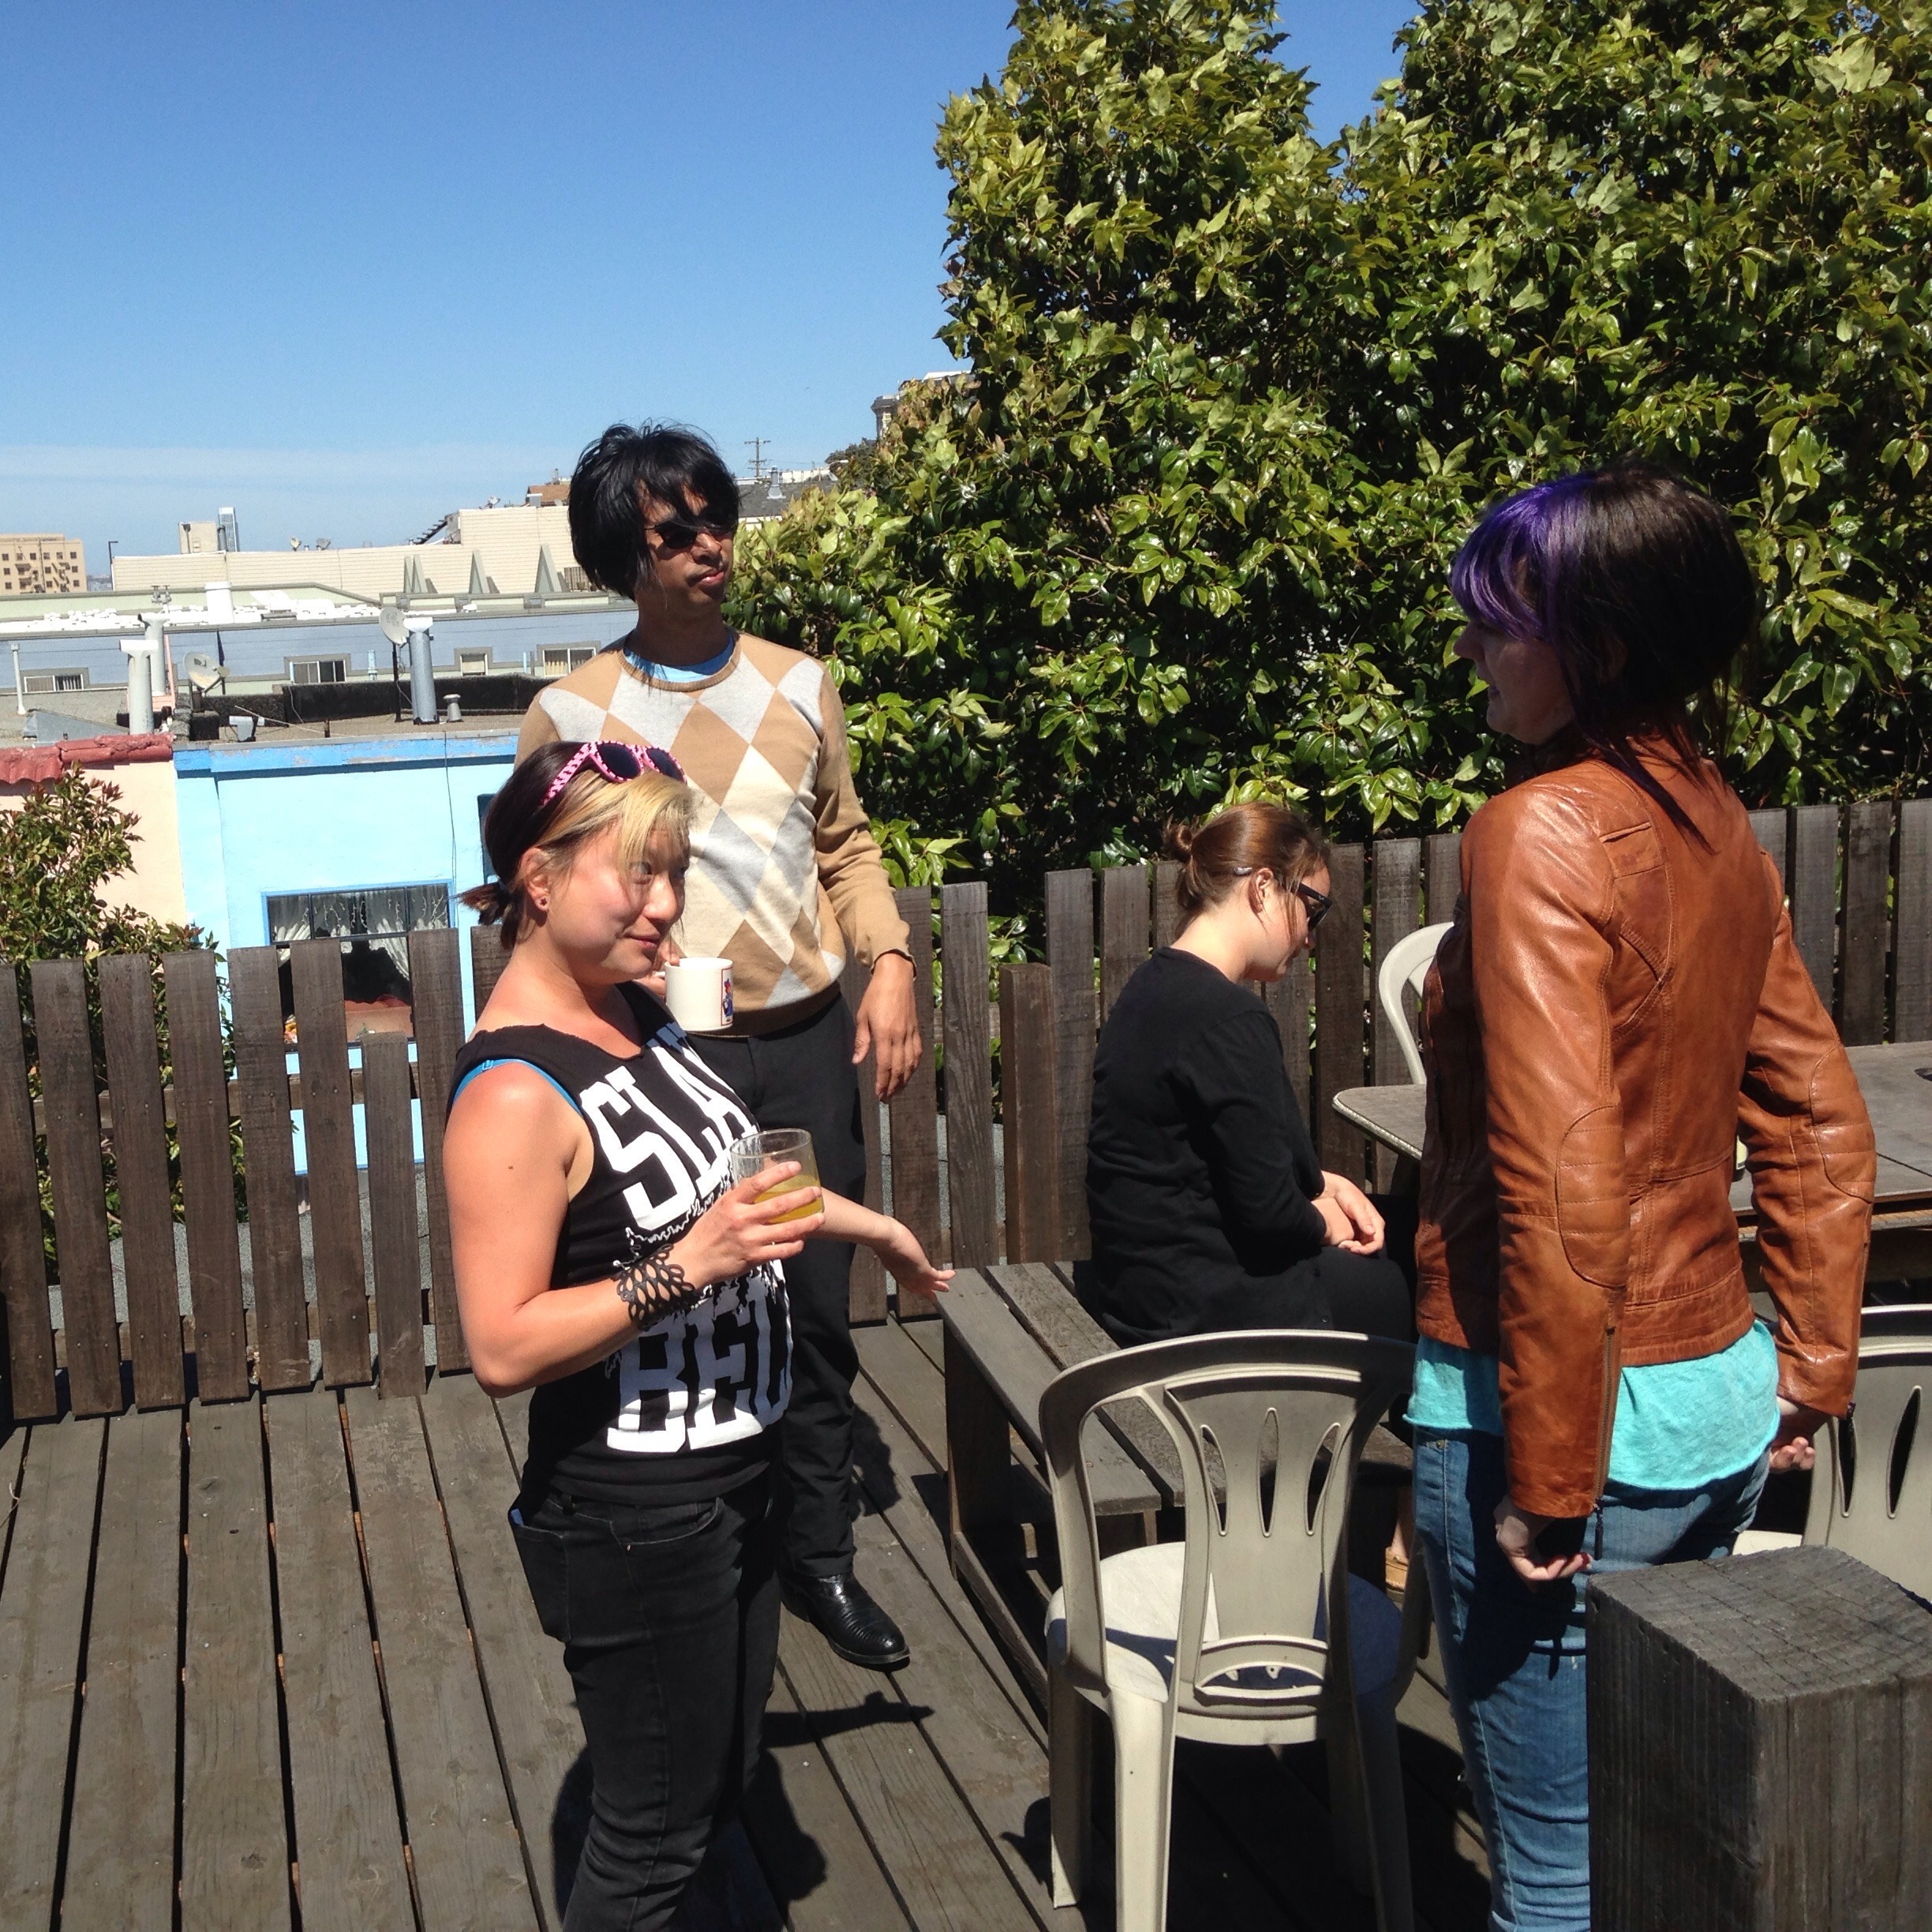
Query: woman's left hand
x=1516, y=1533
x=1359, y=1212
x=905, y=1260
x=1791, y=1448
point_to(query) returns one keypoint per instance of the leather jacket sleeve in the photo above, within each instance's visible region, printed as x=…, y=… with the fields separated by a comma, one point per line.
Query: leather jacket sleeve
x=1813, y=1167
x=1541, y=902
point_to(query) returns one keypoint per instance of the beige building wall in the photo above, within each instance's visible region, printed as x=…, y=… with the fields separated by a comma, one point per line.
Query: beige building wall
x=41, y=562
x=504, y=542
x=154, y=885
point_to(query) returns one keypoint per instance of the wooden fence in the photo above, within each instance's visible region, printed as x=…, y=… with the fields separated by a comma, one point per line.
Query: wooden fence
x=1858, y=879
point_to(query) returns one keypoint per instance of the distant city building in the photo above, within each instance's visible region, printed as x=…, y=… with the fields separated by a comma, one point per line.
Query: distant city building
x=505, y=550
x=555, y=491
x=205, y=539
x=762, y=498
x=39, y=562
x=884, y=407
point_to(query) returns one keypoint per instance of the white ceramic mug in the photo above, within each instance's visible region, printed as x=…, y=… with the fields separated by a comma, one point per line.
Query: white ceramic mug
x=699, y=992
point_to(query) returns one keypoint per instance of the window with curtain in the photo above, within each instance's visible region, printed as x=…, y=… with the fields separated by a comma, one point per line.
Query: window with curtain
x=373, y=923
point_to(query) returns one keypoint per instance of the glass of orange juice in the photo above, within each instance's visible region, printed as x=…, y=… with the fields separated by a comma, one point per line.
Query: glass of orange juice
x=757, y=1152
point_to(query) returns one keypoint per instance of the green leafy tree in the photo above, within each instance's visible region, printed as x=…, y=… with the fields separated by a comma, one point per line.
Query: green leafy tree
x=1235, y=397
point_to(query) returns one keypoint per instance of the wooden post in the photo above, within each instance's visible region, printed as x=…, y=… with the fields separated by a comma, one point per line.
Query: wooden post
x=1867, y=934
x=202, y=1125
x=328, y=1138
x=1911, y=990
x=915, y=1108
x=865, y=1294
x=1758, y=1733
x=23, y=1258
x=1443, y=860
x=74, y=1138
x=968, y=1076
x=1771, y=827
x=436, y=1017
x=268, y=1148
x=141, y=1169
x=487, y=960
x=392, y=1214
x=1339, y=987
x=1397, y=896
x=1070, y=958
x=1124, y=915
x=1166, y=907
x=1812, y=884
x=1032, y=1118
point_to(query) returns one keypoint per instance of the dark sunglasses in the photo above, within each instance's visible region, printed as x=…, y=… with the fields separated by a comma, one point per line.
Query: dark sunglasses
x=676, y=533
x=617, y=762
x=1319, y=905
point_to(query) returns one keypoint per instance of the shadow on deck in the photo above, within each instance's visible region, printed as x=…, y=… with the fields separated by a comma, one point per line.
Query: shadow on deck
x=273, y=1663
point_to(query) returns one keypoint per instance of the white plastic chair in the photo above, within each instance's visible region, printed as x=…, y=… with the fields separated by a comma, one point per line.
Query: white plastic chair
x=1871, y=1490
x=1252, y=1631
x=1403, y=971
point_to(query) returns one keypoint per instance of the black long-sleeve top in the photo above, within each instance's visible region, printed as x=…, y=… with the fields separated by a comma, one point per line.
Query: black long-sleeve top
x=1200, y=1169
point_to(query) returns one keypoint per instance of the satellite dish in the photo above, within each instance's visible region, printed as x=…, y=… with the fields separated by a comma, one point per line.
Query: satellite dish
x=390, y=619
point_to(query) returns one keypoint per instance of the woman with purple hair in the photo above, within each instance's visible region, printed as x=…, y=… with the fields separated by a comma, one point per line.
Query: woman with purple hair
x=1617, y=1003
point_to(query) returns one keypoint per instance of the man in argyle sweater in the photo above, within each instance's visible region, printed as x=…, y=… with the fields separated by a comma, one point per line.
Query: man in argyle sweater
x=785, y=880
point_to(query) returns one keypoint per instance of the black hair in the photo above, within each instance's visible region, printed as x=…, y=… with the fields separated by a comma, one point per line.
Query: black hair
x=1636, y=580
x=614, y=475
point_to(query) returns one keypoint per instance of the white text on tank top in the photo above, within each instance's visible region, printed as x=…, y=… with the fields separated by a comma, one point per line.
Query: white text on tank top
x=727, y=1345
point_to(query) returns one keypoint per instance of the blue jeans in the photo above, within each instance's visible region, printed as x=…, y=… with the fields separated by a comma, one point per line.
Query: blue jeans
x=1513, y=1658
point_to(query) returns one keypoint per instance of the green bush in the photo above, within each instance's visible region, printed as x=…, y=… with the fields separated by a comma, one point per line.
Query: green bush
x=1182, y=534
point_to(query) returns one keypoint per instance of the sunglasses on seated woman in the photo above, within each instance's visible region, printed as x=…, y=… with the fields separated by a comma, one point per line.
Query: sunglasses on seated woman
x=617, y=762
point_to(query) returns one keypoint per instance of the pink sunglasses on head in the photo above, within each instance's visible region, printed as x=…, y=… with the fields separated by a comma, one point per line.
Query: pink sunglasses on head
x=617, y=762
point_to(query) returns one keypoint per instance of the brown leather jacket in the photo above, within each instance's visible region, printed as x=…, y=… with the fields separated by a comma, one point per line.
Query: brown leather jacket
x=1613, y=1007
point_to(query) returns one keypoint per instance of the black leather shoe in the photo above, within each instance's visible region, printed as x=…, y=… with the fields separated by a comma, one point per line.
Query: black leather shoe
x=851, y=1622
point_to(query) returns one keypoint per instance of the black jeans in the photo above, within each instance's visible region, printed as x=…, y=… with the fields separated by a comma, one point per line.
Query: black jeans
x=804, y=1076
x=669, y=1617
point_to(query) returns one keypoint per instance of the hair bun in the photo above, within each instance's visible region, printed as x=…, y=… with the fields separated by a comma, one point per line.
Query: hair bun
x=1180, y=839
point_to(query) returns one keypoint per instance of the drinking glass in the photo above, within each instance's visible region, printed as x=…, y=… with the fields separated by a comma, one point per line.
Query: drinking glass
x=756, y=1151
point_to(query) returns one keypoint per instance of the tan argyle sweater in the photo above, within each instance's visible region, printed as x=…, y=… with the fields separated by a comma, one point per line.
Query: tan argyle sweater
x=785, y=873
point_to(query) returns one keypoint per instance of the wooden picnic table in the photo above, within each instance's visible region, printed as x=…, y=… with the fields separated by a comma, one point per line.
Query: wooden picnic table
x=1899, y=1103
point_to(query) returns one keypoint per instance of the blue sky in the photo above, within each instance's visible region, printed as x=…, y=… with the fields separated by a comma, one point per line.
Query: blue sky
x=348, y=267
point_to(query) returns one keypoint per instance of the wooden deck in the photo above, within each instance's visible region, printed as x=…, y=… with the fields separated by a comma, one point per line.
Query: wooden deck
x=272, y=1664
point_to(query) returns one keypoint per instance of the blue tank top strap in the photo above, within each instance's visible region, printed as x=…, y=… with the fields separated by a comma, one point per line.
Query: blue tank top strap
x=515, y=1060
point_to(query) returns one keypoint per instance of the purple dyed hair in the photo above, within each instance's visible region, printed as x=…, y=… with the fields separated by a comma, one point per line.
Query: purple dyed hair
x=1635, y=579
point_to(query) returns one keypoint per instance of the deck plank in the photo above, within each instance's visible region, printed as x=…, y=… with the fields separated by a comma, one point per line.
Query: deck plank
x=348, y=1838
x=525, y=1683
x=909, y=1381
x=940, y=1866
x=234, y=1858
x=123, y=1806
x=463, y=1842
x=811, y=1846
x=42, y=1609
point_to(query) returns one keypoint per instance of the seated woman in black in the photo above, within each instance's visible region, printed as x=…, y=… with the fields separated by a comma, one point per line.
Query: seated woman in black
x=1208, y=1208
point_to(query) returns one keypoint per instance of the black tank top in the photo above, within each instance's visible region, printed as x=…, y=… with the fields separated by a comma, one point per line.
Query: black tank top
x=686, y=1409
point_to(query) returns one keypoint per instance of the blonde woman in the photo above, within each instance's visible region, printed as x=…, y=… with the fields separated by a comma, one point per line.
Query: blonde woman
x=603, y=1260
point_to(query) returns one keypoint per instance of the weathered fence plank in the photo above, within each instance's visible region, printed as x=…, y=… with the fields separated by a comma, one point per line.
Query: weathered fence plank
x=141, y=1169
x=487, y=960
x=973, y=1199
x=1124, y=928
x=865, y=1290
x=1070, y=960
x=394, y=1249
x=1771, y=827
x=1867, y=940
x=1166, y=906
x=202, y=1126
x=1291, y=1000
x=78, y=1186
x=1397, y=886
x=328, y=1137
x=436, y=1002
x=915, y=1109
x=31, y=1389
x=269, y=1152
x=1812, y=884
x=1340, y=988
x=1031, y=1119
x=1443, y=860
x=1911, y=1002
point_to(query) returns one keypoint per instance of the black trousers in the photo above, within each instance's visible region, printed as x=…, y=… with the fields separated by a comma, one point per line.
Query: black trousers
x=804, y=1076
x=669, y=1617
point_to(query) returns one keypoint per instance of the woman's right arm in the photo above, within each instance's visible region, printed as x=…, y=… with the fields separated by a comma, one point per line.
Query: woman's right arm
x=507, y=1157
